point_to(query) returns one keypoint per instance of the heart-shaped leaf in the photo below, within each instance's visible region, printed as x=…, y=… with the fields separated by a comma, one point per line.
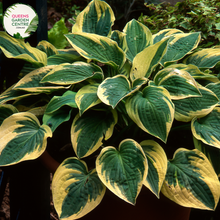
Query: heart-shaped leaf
x=22, y=138
x=76, y=191
x=206, y=129
x=124, y=170
x=191, y=180
x=88, y=131
x=152, y=110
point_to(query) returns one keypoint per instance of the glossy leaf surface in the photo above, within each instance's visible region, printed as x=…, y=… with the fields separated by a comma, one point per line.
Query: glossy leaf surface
x=124, y=170
x=76, y=191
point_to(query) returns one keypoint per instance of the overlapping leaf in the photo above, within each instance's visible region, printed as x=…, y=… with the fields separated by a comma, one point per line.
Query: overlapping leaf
x=99, y=48
x=191, y=180
x=76, y=191
x=5, y=111
x=87, y=97
x=215, y=87
x=207, y=129
x=32, y=81
x=188, y=108
x=101, y=15
x=164, y=34
x=124, y=170
x=112, y=90
x=179, y=83
x=157, y=165
x=145, y=61
x=137, y=38
x=89, y=130
x=179, y=45
x=59, y=109
x=205, y=58
x=152, y=111
x=47, y=48
x=18, y=49
x=22, y=138
x=66, y=74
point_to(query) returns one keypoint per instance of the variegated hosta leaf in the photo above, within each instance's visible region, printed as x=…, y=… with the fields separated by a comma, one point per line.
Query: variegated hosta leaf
x=96, y=18
x=66, y=73
x=179, y=83
x=32, y=81
x=205, y=58
x=87, y=97
x=10, y=94
x=88, y=131
x=152, y=110
x=194, y=72
x=207, y=129
x=137, y=38
x=124, y=170
x=188, y=108
x=145, y=62
x=164, y=34
x=99, y=48
x=18, y=49
x=118, y=36
x=22, y=138
x=112, y=90
x=64, y=58
x=76, y=191
x=191, y=180
x=57, y=111
x=179, y=45
x=157, y=165
x=5, y=111
x=212, y=153
x=215, y=87
x=47, y=48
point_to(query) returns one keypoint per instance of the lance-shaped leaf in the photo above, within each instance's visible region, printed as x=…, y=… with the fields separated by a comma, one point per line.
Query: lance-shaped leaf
x=188, y=108
x=179, y=45
x=88, y=131
x=205, y=58
x=152, y=110
x=124, y=170
x=59, y=109
x=22, y=138
x=47, y=48
x=195, y=72
x=145, y=62
x=5, y=111
x=18, y=49
x=215, y=87
x=32, y=81
x=66, y=73
x=101, y=15
x=99, y=48
x=207, y=129
x=157, y=165
x=164, y=34
x=64, y=58
x=87, y=97
x=76, y=191
x=179, y=83
x=137, y=38
x=112, y=90
x=191, y=180
x=212, y=153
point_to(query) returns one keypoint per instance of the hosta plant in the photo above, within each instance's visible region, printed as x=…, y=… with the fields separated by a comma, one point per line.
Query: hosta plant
x=124, y=94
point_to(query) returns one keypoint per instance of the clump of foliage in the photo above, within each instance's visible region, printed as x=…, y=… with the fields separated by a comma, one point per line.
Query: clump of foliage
x=188, y=15
x=124, y=93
